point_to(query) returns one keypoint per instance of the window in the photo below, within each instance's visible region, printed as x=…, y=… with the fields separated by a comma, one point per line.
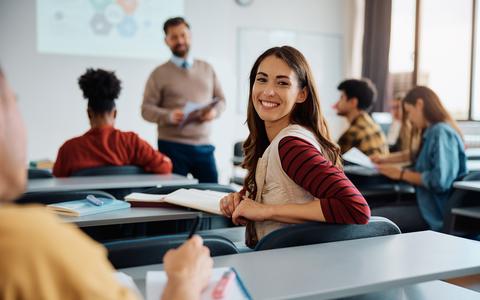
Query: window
x=444, y=60
x=402, y=42
x=475, y=102
x=444, y=45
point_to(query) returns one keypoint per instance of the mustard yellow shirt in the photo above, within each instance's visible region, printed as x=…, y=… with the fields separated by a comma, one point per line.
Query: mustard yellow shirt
x=41, y=258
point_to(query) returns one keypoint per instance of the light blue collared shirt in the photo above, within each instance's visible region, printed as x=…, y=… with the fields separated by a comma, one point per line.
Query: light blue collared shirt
x=441, y=161
x=179, y=61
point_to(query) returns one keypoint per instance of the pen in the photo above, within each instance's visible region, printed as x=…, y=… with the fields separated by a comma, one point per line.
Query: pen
x=194, y=227
x=221, y=287
x=94, y=200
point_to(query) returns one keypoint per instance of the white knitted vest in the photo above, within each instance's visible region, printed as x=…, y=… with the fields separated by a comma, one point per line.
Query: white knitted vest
x=274, y=186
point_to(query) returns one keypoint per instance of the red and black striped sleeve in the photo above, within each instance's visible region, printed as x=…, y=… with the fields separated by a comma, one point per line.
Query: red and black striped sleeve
x=341, y=202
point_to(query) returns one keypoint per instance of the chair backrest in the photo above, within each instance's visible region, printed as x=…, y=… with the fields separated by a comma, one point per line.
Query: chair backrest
x=238, y=154
x=200, y=186
x=147, y=251
x=109, y=170
x=460, y=198
x=56, y=197
x=316, y=233
x=34, y=173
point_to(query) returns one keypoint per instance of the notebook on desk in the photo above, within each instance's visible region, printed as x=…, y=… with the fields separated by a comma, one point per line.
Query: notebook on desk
x=204, y=200
x=83, y=207
x=156, y=281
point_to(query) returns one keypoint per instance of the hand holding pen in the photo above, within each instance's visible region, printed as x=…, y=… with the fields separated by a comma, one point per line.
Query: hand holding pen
x=188, y=266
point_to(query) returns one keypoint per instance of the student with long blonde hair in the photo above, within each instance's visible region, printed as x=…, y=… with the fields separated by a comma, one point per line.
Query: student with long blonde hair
x=294, y=170
x=438, y=162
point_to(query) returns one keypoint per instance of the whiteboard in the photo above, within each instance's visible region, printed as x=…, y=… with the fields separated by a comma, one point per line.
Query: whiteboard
x=122, y=28
x=324, y=53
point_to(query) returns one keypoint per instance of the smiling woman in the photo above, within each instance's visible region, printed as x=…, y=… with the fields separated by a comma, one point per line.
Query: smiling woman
x=293, y=166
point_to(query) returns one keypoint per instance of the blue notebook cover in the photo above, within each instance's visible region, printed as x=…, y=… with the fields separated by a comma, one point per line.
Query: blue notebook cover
x=78, y=208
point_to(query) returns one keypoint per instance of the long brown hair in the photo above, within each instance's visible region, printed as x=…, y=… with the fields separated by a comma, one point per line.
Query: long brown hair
x=307, y=114
x=433, y=111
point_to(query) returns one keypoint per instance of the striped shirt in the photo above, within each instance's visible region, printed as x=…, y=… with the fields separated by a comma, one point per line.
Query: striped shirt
x=340, y=200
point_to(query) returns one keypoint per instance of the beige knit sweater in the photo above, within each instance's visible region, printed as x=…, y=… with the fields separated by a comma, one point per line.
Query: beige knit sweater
x=170, y=87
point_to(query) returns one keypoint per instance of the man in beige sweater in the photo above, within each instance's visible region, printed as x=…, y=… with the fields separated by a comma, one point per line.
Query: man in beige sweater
x=43, y=258
x=172, y=90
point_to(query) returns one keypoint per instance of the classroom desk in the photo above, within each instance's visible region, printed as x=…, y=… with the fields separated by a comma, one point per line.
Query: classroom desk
x=348, y=268
x=105, y=182
x=472, y=212
x=473, y=153
x=132, y=215
x=468, y=185
x=432, y=290
x=371, y=183
x=360, y=171
x=473, y=165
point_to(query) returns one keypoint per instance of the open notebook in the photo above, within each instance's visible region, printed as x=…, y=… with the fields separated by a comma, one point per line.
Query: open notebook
x=156, y=281
x=78, y=208
x=204, y=200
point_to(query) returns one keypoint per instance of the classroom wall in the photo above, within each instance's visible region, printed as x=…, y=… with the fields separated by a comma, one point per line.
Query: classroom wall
x=51, y=102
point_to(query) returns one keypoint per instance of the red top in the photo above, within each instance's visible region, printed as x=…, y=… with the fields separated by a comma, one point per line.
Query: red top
x=340, y=200
x=107, y=146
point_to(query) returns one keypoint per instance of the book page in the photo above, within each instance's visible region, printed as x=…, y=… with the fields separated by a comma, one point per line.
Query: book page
x=208, y=201
x=142, y=197
x=156, y=281
x=358, y=157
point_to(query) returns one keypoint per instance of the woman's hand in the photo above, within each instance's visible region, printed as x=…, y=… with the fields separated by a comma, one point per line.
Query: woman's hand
x=249, y=209
x=229, y=203
x=377, y=158
x=391, y=171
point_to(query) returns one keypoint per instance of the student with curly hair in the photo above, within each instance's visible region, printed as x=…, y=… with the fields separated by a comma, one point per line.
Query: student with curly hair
x=44, y=258
x=103, y=144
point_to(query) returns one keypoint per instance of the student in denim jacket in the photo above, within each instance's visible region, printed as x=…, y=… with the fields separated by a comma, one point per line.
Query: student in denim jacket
x=439, y=162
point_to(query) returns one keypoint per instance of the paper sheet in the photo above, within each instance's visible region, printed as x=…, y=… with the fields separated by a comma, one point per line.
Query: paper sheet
x=156, y=281
x=358, y=157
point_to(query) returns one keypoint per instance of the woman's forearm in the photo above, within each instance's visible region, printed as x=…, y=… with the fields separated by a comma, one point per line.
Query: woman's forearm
x=296, y=213
x=412, y=177
x=397, y=157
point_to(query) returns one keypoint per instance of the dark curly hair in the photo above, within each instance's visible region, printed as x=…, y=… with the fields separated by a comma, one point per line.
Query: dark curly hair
x=100, y=88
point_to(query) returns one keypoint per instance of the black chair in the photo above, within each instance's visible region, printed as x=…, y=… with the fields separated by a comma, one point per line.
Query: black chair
x=34, y=173
x=200, y=186
x=459, y=198
x=147, y=251
x=316, y=233
x=238, y=154
x=237, y=160
x=109, y=170
x=55, y=197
